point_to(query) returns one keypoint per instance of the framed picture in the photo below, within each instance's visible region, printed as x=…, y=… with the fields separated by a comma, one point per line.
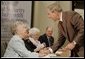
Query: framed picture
x=78, y=6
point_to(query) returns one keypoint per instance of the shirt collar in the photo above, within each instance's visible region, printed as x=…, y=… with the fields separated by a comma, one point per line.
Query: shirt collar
x=48, y=37
x=61, y=16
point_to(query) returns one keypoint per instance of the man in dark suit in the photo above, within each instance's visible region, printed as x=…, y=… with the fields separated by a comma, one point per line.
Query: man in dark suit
x=71, y=27
x=47, y=38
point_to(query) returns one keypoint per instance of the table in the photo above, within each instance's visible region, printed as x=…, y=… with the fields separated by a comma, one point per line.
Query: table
x=66, y=53
x=62, y=54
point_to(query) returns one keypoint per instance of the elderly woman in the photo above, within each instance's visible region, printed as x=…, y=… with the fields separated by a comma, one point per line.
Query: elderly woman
x=35, y=45
x=16, y=46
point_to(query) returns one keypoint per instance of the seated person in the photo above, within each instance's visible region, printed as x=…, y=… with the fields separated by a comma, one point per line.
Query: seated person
x=16, y=46
x=47, y=38
x=33, y=44
x=29, y=45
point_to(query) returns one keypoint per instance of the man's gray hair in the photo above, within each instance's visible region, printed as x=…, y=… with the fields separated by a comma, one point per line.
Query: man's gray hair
x=55, y=7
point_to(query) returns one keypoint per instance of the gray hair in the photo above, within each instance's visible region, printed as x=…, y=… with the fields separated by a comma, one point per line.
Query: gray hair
x=55, y=7
x=15, y=24
x=49, y=27
x=33, y=31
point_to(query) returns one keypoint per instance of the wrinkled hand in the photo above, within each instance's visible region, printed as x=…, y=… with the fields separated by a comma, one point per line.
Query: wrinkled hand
x=39, y=47
x=44, y=52
x=70, y=46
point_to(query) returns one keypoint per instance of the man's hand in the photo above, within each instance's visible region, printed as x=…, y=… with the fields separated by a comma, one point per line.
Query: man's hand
x=70, y=46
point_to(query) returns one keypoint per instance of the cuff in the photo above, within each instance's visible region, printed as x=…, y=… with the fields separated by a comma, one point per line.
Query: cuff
x=51, y=50
x=74, y=42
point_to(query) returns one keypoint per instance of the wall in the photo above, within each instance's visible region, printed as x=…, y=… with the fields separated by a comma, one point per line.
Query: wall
x=66, y=5
x=41, y=19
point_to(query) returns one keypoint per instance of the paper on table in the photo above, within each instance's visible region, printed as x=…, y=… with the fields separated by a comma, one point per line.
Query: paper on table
x=59, y=52
x=62, y=53
x=49, y=56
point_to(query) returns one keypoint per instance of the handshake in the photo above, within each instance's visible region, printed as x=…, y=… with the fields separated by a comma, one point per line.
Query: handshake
x=43, y=52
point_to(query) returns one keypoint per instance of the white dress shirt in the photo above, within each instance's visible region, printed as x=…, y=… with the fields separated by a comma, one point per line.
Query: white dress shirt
x=61, y=17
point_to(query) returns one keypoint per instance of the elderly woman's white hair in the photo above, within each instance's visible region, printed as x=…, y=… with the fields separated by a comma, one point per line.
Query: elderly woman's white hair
x=15, y=24
x=33, y=31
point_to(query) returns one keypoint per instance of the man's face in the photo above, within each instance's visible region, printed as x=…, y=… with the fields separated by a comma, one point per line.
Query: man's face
x=53, y=15
x=49, y=32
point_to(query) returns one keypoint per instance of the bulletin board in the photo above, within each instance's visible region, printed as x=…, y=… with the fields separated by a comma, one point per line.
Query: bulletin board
x=12, y=11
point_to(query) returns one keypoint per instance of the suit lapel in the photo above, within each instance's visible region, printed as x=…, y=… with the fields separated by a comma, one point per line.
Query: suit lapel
x=46, y=40
x=64, y=24
x=61, y=29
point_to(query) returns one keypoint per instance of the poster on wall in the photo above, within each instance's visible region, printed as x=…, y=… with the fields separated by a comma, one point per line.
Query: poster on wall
x=12, y=11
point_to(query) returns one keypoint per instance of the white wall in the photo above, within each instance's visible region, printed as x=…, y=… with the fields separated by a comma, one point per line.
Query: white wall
x=80, y=11
x=66, y=5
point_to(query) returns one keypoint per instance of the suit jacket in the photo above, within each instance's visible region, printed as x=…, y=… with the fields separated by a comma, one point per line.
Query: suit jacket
x=16, y=48
x=72, y=29
x=43, y=39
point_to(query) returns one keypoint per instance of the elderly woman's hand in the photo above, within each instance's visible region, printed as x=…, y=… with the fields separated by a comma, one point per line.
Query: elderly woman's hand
x=44, y=52
x=39, y=47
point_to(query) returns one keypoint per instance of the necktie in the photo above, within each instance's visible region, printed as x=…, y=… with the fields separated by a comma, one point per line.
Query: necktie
x=61, y=24
x=49, y=42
